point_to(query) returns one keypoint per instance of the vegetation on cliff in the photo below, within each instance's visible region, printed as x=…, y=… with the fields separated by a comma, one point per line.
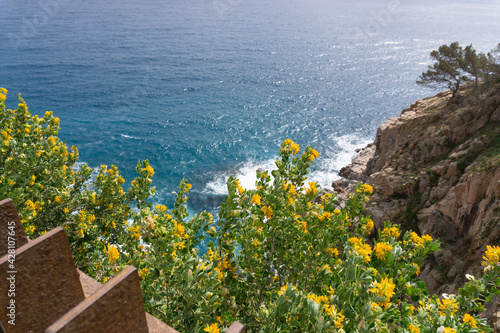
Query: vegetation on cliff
x=282, y=257
x=456, y=66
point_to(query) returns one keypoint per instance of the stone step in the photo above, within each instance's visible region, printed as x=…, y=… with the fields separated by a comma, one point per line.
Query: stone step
x=11, y=229
x=115, y=307
x=41, y=283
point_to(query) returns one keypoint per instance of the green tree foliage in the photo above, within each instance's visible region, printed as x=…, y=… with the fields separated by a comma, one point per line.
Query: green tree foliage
x=455, y=66
x=493, y=65
x=447, y=69
x=283, y=257
x=474, y=65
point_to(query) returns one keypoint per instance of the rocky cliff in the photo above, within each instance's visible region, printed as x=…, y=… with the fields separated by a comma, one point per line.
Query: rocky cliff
x=436, y=169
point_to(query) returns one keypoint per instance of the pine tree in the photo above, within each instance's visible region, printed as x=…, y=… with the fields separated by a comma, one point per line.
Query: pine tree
x=447, y=69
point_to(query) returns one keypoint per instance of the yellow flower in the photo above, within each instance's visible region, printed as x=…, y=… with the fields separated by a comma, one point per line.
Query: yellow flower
x=327, y=267
x=382, y=249
x=360, y=248
x=113, y=253
x=324, y=215
x=282, y=289
x=143, y=273
x=30, y=205
x=314, y=154
x=427, y=238
x=179, y=229
x=369, y=225
x=332, y=251
x=292, y=146
x=135, y=232
x=449, y=330
x=339, y=318
x=469, y=320
x=391, y=232
x=491, y=256
x=238, y=186
x=163, y=208
x=447, y=305
x=385, y=289
x=312, y=188
x=31, y=229
x=367, y=188
x=417, y=268
x=414, y=329
x=256, y=199
x=214, y=328
x=268, y=211
x=416, y=239
x=149, y=170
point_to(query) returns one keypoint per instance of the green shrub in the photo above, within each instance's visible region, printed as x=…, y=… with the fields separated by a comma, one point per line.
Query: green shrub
x=284, y=258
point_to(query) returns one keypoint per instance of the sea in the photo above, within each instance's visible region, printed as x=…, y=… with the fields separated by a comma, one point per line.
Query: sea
x=205, y=89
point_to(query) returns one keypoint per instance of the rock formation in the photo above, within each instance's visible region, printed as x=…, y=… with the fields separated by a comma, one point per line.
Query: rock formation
x=436, y=170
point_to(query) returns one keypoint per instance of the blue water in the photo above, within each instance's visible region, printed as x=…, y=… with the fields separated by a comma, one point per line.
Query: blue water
x=204, y=89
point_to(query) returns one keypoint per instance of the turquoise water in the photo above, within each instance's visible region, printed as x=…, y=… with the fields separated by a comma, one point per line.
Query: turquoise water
x=204, y=89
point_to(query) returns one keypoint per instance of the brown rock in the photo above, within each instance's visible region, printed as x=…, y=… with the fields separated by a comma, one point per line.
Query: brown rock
x=433, y=168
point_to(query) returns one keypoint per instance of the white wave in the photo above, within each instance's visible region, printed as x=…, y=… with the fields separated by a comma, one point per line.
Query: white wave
x=330, y=164
x=246, y=173
x=128, y=136
x=89, y=183
x=325, y=169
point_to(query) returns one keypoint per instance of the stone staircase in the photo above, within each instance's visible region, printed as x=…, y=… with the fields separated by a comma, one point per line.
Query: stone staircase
x=41, y=290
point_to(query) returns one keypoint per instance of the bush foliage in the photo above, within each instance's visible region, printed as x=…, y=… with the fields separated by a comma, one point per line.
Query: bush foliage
x=284, y=257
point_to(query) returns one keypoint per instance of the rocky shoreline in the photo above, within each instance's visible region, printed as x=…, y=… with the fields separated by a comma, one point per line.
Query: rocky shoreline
x=436, y=169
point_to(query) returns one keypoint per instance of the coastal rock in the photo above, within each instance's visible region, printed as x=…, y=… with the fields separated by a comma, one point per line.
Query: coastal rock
x=357, y=169
x=436, y=170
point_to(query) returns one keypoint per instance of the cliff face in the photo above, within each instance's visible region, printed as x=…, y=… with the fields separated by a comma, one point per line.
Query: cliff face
x=436, y=170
